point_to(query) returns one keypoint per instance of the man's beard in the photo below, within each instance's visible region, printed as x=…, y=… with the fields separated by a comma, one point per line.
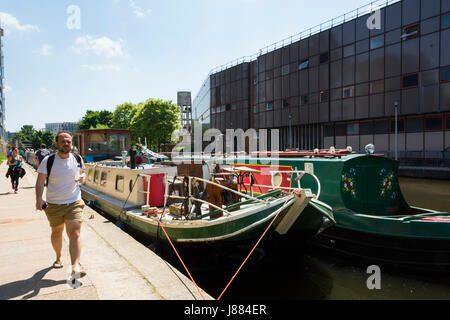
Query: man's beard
x=61, y=150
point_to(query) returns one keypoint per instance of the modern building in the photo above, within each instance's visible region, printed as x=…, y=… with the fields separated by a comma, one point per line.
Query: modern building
x=337, y=84
x=2, y=98
x=65, y=126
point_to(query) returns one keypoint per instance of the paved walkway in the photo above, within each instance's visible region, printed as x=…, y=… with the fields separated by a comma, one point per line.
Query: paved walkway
x=118, y=267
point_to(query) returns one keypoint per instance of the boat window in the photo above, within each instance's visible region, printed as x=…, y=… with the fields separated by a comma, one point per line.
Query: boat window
x=97, y=142
x=90, y=174
x=120, y=183
x=96, y=175
x=103, y=179
x=118, y=142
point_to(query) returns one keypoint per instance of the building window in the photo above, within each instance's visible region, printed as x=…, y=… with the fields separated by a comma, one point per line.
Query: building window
x=447, y=122
x=353, y=129
x=223, y=108
x=268, y=75
x=400, y=126
x=349, y=50
x=377, y=42
x=410, y=81
x=285, y=103
x=304, y=100
x=228, y=107
x=433, y=124
x=376, y=87
x=445, y=74
x=411, y=32
x=213, y=110
x=323, y=96
x=255, y=79
x=381, y=127
x=303, y=65
x=285, y=70
x=269, y=106
x=255, y=109
x=445, y=21
x=233, y=107
x=414, y=125
x=324, y=57
x=120, y=183
x=348, y=92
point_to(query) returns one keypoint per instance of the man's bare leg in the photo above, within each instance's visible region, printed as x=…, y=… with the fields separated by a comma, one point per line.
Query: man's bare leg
x=73, y=229
x=57, y=241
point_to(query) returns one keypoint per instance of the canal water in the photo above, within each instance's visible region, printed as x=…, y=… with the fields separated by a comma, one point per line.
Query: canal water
x=311, y=274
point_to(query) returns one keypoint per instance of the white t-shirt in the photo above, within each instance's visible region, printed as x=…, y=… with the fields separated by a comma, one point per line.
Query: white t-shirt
x=62, y=187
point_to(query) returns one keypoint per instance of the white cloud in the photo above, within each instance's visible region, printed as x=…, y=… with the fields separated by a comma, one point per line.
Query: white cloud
x=137, y=10
x=7, y=89
x=9, y=23
x=46, y=50
x=108, y=67
x=100, y=46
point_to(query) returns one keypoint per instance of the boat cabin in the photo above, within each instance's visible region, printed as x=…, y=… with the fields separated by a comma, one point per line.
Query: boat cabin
x=102, y=144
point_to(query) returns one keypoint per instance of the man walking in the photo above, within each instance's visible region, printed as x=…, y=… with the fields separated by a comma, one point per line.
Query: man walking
x=40, y=155
x=65, y=172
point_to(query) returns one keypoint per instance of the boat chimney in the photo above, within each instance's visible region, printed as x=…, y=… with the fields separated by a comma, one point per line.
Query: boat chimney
x=133, y=154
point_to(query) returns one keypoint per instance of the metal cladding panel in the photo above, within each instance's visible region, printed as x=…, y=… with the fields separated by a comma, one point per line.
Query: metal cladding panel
x=410, y=56
x=401, y=142
x=285, y=55
x=393, y=14
x=294, y=84
x=336, y=37
x=269, y=61
x=277, y=88
x=430, y=77
x=393, y=60
x=391, y=97
x=285, y=87
x=256, y=121
x=234, y=73
x=314, y=45
x=414, y=141
x=429, y=98
x=277, y=58
x=228, y=94
x=304, y=114
x=295, y=116
x=410, y=11
x=269, y=119
x=324, y=77
x=341, y=142
x=348, y=77
x=336, y=74
x=377, y=106
x=313, y=79
x=445, y=96
x=277, y=72
x=262, y=91
x=445, y=48
x=362, y=32
x=313, y=114
x=362, y=107
x=434, y=141
x=336, y=110
x=430, y=25
x=364, y=140
x=228, y=75
x=213, y=97
x=262, y=64
x=262, y=120
x=353, y=141
x=294, y=52
x=324, y=112
x=269, y=90
x=377, y=64
x=336, y=55
x=381, y=141
x=304, y=81
x=361, y=89
x=336, y=94
x=393, y=84
x=445, y=6
x=277, y=117
x=324, y=39
x=285, y=117
x=410, y=101
x=430, y=8
x=362, y=67
x=304, y=49
x=348, y=32
x=362, y=46
x=348, y=109
x=393, y=37
x=429, y=51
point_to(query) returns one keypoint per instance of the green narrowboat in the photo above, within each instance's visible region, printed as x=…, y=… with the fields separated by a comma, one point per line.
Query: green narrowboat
x=373, y=219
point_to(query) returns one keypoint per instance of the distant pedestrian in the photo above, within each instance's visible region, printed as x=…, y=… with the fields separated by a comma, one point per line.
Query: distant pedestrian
x=15, y=169
x=41, y=154
x=65, y=172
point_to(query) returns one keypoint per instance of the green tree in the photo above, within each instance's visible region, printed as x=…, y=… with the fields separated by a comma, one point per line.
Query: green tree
x=155, y=120
x=123, y=115
x=94, y=118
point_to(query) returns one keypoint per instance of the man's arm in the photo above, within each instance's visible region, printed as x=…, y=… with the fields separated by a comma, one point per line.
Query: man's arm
x=40, y=184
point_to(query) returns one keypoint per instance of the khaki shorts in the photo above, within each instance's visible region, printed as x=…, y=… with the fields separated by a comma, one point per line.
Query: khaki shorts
x=57, y=214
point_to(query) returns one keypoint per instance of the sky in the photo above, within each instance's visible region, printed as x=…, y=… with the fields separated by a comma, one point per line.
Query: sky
x=63, y=57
